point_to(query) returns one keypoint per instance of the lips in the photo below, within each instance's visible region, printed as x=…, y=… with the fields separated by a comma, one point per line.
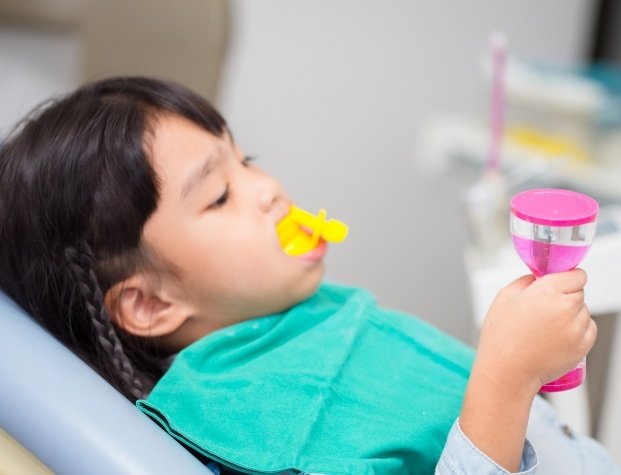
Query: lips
x=317, y=253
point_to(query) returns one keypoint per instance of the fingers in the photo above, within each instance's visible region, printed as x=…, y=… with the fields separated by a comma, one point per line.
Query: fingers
x=591, y=334
x=575, y=299
x=521, y=283
x=586, y=328
x=583, y=318
x=567, y=282
x=514, y=288
x=590, y=331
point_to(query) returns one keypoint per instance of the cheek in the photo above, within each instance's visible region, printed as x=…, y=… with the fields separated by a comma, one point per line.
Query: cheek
x=230, y=259
x=224, y=253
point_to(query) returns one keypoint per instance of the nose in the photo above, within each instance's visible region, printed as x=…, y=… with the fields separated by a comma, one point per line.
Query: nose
x=270, y=194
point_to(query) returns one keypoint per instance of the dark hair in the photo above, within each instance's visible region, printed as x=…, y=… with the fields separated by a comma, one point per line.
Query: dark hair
x=76, y=188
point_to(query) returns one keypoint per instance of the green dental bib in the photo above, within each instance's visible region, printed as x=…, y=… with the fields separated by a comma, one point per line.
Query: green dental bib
x=335, y=385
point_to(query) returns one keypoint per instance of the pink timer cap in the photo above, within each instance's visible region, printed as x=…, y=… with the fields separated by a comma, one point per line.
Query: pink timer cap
x=554, y=207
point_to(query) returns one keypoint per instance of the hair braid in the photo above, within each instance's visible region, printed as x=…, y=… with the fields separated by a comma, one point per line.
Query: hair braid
x=79, y=170
x=80, y=262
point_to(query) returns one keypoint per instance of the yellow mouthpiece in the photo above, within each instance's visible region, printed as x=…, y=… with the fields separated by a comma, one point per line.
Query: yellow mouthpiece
x=300, y=231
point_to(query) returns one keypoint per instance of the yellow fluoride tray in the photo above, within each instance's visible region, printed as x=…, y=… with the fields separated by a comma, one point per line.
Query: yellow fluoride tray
x=300, y=231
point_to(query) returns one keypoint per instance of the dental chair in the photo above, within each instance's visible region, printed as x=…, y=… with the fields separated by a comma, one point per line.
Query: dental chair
x=68, y=417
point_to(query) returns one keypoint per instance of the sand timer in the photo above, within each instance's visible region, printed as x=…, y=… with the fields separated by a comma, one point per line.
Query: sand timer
x=552, y=230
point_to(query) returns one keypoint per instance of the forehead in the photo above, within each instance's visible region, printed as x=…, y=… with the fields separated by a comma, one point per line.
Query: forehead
x=174, y=137
x=178, y=146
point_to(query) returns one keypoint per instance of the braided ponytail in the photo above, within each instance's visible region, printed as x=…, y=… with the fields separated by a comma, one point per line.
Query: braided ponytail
x=80, y=263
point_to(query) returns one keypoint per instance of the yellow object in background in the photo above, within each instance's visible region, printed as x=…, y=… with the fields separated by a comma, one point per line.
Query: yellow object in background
x=16, y=460
x=547, y=144
x=300, y=231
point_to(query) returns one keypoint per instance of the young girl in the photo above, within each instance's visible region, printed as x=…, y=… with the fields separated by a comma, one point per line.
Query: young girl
x=135, y=230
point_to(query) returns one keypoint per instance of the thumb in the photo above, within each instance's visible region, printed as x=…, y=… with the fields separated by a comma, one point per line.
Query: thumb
x=519, y=284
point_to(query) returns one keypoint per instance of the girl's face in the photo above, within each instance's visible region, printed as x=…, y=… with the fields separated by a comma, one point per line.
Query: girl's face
x=215, y=223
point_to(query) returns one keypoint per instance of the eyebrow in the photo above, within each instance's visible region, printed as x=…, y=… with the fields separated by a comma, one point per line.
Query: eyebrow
x=197, y=176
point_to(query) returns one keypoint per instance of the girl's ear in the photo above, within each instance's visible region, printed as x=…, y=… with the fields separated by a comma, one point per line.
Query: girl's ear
x=139, y=308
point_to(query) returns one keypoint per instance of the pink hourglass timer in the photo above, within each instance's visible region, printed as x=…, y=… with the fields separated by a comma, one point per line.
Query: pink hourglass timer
x=552, y=230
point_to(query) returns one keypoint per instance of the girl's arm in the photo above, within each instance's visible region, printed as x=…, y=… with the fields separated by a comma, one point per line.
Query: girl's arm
x=494, y=417
x=534, y=332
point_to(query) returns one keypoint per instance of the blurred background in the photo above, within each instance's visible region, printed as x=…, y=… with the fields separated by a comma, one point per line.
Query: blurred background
x=377, y=111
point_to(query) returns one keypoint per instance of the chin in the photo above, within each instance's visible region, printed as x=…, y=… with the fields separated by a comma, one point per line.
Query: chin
x=315, y=286
x=312, y=285
x=302, y=291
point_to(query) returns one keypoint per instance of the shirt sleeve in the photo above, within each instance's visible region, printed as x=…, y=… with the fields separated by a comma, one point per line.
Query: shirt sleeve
x=461, y=457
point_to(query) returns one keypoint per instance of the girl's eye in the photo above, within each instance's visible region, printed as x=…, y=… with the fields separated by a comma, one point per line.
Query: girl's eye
x=220, y=201
x=247, y=159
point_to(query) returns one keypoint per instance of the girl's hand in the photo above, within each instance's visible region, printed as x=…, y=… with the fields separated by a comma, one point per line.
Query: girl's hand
x=536, y=330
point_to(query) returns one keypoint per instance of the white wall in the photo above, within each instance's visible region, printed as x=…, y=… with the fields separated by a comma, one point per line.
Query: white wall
x=330, y=94
x=34, y=65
